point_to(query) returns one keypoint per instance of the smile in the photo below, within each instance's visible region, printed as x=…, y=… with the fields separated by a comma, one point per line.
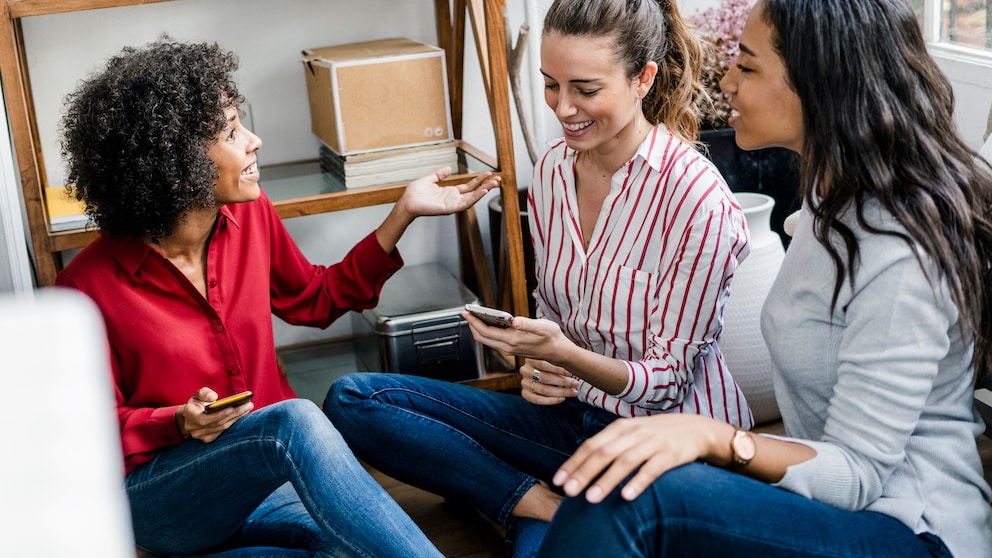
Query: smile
x=576, y=127
x=251, y=169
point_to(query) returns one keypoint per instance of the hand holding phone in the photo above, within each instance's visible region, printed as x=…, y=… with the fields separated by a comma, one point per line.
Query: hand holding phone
x=490, y=316
x=232, y=401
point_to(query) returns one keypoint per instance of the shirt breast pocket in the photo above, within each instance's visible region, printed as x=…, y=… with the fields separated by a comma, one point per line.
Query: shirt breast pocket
x=627, y=302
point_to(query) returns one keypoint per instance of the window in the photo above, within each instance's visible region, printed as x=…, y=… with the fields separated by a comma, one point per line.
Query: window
x=962, y=23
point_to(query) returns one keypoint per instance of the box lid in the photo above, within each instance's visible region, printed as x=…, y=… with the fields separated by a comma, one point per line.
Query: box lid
x=424, y=295
x=368, y=51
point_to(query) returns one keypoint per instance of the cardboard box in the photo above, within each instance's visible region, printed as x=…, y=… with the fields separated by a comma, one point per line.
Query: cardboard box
x=377, y=95
x=417, y=327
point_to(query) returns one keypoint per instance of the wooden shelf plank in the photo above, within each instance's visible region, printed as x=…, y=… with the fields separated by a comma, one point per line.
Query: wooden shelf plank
x=28, y=8
x=309, y=199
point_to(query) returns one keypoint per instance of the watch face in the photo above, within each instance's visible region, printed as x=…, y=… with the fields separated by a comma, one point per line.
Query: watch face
x=744, y=446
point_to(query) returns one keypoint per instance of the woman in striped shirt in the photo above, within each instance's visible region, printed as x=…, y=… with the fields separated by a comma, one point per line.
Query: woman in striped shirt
x=637, y=237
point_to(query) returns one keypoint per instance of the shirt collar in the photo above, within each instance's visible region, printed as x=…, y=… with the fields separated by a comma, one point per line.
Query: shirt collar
x=131, y=253
x=655, y=147
x=652, y=150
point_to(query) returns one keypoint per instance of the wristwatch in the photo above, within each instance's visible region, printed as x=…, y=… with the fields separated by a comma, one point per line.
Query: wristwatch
x=742, y=449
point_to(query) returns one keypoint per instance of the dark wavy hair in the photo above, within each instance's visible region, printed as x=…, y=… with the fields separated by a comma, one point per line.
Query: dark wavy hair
x=643, y=31
x=878, y=119
x=135, y=136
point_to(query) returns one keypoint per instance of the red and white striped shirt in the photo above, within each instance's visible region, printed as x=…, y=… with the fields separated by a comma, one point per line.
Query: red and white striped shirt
x=651, y=288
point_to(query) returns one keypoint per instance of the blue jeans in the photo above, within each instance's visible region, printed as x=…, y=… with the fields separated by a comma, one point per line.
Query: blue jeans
x=475, y=446
x=697, y=510
x=282, y=481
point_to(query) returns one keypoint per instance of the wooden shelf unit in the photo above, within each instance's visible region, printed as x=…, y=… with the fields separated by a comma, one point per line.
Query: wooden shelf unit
x=485, y=18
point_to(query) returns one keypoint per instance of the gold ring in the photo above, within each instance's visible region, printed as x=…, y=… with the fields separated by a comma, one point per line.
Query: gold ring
x=532, y=387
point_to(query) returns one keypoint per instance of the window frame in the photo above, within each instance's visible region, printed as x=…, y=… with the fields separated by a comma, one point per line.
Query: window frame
x=932, y=11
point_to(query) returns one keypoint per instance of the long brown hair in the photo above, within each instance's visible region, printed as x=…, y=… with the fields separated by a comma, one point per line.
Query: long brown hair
x=643, y=31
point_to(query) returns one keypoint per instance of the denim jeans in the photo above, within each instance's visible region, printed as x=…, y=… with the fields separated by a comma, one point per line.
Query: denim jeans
x=282, y=481
x=696, y=511
x=475, y=446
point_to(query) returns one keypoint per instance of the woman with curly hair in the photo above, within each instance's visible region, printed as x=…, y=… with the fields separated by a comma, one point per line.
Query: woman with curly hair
x=636, y=239
x=878, y=324
x=190, y=265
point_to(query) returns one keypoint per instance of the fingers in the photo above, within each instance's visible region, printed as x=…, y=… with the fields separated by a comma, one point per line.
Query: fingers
x=551, y=385
x=545, y=388
x=594, y=459
x=540, y=395
x=207, y=427
x=205, y=395
x=641, y=448
x=526, y=337
x=649, y=472
x=486, y=180
x=549, y=373
x=621, y=450
x=490, y=336
x=442, y=173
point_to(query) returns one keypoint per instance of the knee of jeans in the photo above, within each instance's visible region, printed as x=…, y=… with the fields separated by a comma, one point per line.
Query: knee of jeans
x=306, y=420
x=352, y=390
x=342, y=391
x=296, y=412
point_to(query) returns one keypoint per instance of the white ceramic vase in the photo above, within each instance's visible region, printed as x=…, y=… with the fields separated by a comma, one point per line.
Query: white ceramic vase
x=741, y=342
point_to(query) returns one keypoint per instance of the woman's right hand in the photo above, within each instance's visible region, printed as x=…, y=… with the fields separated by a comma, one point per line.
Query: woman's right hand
x=195, y=423
x=543, y=383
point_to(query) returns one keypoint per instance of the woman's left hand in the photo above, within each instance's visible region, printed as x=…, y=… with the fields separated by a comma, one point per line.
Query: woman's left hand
x=649, y=445
x=424, y=196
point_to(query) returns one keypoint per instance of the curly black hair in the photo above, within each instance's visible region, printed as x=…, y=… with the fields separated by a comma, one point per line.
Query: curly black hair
x=135, y=136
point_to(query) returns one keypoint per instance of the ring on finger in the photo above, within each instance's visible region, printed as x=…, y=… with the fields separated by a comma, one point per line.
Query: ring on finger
x=532, y=386
x=536, y=376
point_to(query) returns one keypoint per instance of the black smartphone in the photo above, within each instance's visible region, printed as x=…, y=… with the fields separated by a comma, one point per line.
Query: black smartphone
x=491, y=316
x=232, y=401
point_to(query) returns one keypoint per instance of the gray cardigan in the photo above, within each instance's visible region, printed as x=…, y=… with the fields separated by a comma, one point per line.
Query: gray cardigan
x=881, y=388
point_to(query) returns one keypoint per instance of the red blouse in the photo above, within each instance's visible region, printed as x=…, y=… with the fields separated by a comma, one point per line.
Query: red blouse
x=167, y=341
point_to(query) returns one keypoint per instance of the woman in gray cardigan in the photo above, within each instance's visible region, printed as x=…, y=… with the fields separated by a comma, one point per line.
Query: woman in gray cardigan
x=877, y=323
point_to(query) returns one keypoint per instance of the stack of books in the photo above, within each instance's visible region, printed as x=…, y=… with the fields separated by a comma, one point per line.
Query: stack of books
x=64, y=213
x=391, y=166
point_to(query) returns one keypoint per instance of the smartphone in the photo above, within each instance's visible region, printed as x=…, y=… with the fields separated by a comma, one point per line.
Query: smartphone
x=491, y=316
x=232, y=401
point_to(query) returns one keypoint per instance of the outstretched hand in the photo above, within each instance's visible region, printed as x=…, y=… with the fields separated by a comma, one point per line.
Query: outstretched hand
x=424, y=196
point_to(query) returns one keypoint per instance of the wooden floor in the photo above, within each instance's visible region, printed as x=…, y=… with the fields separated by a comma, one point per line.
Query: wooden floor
x=460, y=532
x=455, y=530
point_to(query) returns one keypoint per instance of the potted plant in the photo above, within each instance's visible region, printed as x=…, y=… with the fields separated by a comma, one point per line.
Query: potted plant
x=770, y=171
